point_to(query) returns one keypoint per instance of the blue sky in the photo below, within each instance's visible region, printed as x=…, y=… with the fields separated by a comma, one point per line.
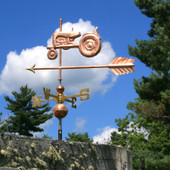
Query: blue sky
x=25, y=30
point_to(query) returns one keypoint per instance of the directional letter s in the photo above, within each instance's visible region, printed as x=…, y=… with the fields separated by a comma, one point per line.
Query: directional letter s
x=84, y=94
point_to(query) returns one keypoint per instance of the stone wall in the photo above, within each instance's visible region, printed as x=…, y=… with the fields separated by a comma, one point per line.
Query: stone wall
x=21, y=152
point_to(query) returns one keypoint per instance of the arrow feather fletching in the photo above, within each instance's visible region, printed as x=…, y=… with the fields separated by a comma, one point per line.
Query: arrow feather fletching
x=124, y=65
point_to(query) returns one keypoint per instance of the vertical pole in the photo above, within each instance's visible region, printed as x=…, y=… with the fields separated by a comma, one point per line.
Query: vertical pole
x=60, y=61
x=60, y=79
x=60, y=129
x=60, y=74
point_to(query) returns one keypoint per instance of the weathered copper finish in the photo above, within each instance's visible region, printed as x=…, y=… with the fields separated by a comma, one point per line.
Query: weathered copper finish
x=60, y=110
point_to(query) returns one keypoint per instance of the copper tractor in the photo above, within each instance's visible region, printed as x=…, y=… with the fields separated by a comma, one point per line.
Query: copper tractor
x=89, y=44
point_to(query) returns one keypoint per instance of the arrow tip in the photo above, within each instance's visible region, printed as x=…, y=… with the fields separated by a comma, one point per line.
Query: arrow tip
x=31, y=68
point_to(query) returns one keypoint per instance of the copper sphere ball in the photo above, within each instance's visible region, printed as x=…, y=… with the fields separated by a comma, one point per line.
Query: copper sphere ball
x=60, y=89
x=60, y=110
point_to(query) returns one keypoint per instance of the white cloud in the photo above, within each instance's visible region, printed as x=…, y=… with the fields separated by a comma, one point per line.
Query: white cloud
x=80, y=123
x=104, y=135
x=14, y=74
x=134, y=127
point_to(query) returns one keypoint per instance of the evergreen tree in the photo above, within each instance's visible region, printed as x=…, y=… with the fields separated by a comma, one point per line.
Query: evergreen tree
x=80, y=137
x=146, y=131
x=154, y=91
x=3, y=124
x=1, y=121
x=149, y=141
x=25, y=119
x=46, y=137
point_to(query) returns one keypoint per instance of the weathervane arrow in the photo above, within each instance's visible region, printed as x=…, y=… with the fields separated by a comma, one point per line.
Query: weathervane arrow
x=118, y=66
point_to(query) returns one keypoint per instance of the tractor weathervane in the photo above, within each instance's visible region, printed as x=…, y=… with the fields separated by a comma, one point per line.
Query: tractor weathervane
x=89, y=46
